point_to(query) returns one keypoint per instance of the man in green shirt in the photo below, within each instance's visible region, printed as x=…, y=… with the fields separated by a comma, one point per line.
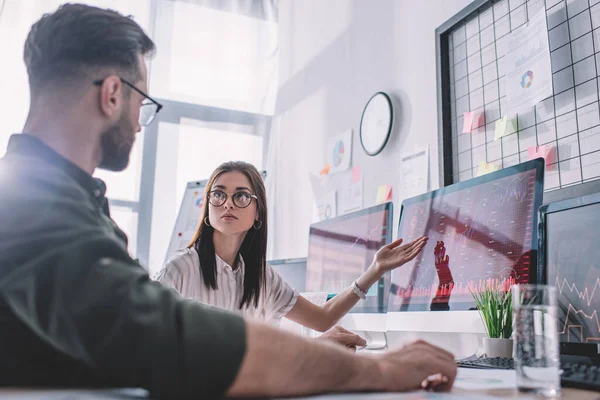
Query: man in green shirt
x=75, y=309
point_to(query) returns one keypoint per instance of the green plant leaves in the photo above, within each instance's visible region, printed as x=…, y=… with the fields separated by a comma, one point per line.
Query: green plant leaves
x=495, y=309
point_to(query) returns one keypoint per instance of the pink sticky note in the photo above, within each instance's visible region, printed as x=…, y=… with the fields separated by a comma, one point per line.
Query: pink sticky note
x=478, y=119
x=468, y=122
x=388, y=193
x=384, y=193
x=356, y=174
x=539, y=152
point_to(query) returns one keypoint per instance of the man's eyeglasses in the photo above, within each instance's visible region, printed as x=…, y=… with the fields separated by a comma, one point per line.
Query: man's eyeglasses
x=241, y=199
x=149, y=108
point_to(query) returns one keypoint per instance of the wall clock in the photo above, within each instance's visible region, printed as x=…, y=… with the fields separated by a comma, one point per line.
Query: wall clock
x=376, y=123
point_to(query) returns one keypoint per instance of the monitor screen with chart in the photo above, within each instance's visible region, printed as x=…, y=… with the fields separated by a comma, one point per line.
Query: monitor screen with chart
x=342, y=248
x=571, y=256
x=481, y=232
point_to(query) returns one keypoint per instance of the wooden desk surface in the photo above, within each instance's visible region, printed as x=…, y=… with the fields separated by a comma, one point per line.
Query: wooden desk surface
x=566, y=394
x=138, y=394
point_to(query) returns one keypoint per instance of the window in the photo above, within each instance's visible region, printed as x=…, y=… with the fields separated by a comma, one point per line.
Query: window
x=216, y=57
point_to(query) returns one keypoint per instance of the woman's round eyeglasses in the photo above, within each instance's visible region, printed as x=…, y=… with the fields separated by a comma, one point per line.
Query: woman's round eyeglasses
x=241, y=199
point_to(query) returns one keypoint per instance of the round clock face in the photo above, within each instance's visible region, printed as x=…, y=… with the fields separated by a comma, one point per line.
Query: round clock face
x=376, y=124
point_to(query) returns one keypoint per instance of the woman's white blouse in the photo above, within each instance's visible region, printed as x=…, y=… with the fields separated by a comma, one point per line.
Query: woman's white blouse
x=182, y=273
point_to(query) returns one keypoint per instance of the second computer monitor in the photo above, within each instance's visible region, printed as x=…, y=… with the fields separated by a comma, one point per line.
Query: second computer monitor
x=342, y=248
x=481, y=232
x=570, y=257
x=292, y=270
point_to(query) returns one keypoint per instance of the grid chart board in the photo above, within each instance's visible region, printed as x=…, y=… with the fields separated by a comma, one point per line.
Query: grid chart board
x=471, y=77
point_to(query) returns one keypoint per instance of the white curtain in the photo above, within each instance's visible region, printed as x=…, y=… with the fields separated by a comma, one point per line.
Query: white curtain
x=272, y=183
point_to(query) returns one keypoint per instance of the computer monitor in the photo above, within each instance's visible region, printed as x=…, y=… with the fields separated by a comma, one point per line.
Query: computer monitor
x=481, y=232
x=570, y=255
x=342, y=248
x=292, y=270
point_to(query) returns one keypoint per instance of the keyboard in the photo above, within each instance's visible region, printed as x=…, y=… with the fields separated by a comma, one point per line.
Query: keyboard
x=488, y=363
x=574, y=375
x=581, y=376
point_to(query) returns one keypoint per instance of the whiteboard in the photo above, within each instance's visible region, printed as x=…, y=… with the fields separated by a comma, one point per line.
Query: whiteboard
x=189, y=216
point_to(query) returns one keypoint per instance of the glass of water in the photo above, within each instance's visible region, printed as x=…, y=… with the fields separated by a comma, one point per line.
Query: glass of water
x=536, y=339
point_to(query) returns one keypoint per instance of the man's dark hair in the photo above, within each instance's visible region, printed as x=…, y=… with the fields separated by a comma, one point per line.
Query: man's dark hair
x=77, y=39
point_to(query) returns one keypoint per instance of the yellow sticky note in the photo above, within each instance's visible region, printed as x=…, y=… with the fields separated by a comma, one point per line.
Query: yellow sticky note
x=384, y=193
x=486, y=168
x=503, y=127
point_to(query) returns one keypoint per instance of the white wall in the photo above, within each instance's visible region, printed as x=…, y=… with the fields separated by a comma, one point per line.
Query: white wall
x=334, y=55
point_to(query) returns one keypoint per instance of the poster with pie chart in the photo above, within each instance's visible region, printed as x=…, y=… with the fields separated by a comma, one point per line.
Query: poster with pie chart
x=339, y=152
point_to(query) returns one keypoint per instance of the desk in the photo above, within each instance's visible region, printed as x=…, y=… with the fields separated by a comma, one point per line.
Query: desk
x=567, y=394
x=137, y=394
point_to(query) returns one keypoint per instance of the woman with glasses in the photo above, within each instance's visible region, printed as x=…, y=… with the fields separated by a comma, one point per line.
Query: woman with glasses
x=225, y=263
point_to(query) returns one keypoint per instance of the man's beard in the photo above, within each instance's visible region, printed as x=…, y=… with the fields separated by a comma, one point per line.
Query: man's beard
x=116, y=144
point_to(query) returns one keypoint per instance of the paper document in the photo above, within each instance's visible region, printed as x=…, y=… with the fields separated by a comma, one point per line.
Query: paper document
x=352, y=192
x=414, y=173
x=339, y=152
x=485, y=379
x=326, y=207
x=528, y=68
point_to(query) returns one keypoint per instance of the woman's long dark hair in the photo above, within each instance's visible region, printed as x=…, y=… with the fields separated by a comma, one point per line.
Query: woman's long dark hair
x=254, y=246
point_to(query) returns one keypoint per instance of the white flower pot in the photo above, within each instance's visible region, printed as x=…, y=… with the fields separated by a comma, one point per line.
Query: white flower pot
x=498, y=347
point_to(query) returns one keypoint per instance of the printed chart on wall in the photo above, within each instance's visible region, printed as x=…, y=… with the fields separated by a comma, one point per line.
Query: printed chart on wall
x=339, y=152
x=529, y=76
x=478, y=235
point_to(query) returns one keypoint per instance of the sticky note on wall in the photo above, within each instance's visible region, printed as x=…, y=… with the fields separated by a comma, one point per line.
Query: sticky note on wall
x=478, y=120
x=473, y=119
x=504, y=126
x=384, y=193
x=468, y=122
x=486, y=168
x=544, y=152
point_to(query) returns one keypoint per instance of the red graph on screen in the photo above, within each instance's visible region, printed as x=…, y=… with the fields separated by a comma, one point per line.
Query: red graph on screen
x=487, y=230
x=460, y=288
x=573, y=313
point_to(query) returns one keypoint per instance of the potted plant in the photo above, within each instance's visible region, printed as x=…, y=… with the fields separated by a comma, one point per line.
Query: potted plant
x=495, y=309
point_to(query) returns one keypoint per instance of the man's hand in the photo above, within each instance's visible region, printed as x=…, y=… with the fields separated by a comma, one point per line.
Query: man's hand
x=419, y=365
x=394, y=255
x=344, y=337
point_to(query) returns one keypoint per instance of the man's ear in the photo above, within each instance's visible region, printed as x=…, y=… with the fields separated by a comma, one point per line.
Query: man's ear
x=110, y=95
